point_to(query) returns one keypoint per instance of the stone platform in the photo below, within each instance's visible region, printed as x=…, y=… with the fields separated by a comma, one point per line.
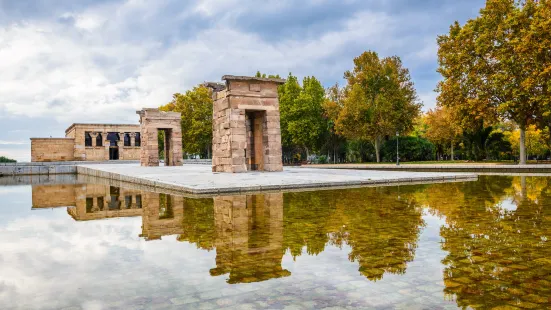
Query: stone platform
x=199, y=179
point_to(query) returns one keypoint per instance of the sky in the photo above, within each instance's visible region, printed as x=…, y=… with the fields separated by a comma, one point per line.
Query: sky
x=98, y=61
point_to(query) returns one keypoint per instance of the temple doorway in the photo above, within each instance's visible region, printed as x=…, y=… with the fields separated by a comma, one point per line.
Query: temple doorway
x=113, y=138
x=113, y=153
x=167, y=149
x=254, y=153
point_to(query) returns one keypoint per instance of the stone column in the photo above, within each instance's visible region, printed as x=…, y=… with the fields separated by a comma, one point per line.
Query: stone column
x=120, y=143
x=94, y=135
x=106, y=144
x=95, y=207
x=132, y=139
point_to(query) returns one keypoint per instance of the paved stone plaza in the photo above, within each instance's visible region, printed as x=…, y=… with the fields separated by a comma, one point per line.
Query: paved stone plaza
x=199, y=179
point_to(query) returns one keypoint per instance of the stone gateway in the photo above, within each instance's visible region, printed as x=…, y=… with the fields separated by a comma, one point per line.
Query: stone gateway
x=246, y=129
x=151, y=122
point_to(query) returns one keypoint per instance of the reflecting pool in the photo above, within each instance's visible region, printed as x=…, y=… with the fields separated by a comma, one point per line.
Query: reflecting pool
x=89, y=244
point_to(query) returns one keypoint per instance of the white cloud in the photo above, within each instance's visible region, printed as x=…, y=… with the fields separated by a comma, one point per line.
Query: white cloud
x=2, y=142
x=101, y=62
x=50, y=71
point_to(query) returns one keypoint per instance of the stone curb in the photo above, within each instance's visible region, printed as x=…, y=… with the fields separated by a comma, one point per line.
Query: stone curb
x=156, y=184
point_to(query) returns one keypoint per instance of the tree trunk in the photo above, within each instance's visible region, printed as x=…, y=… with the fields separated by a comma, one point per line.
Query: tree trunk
x=452, y=151
x=523, y=191
x=522, y=146
x=377, y=150
x=307, y=153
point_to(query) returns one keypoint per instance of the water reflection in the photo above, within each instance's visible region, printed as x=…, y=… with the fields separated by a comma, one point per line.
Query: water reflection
x=497, y=239
x=250, y=232
x=495, y=234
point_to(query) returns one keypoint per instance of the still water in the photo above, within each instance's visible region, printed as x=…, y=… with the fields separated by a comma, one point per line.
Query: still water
x=85, y=245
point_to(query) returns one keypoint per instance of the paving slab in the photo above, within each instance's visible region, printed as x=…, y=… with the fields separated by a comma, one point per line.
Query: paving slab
x=199, y=179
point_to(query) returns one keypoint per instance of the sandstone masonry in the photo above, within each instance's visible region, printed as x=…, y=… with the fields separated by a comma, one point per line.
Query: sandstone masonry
x=89, y=142
x=246, y=128
x=151, y=122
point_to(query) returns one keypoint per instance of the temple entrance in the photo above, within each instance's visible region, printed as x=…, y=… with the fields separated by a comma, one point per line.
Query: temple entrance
x=113, y=138
x=254, y=153
x=113, y=153
x=153, y=125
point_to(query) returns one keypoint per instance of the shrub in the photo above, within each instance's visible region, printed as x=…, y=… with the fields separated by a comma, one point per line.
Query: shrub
x=411, y=149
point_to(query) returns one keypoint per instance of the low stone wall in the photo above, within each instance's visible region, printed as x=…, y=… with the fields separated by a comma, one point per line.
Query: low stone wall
x=52, y=149
x=50, y=168
x=42, y=179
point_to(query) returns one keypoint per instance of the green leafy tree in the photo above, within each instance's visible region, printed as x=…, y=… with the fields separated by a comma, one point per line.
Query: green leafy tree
x=270, y=76
x=301, y=111
x=411, y=149
x=4, y=159
x=196, y=109
x=497, y=146
x=380, y=99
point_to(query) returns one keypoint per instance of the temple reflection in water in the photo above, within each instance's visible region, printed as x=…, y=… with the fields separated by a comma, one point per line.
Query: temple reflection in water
x=246, y=231
x=495, y=234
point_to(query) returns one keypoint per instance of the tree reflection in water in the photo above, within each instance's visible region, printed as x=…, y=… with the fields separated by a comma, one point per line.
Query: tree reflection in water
x=496, y=232
x=496, y=235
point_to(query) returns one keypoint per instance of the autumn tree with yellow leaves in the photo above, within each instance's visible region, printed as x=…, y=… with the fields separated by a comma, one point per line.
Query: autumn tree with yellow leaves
x=441, y=128
x=498, y=66
x=380, y=100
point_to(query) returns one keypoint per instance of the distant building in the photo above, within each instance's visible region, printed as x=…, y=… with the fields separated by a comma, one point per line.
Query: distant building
x=90, y=142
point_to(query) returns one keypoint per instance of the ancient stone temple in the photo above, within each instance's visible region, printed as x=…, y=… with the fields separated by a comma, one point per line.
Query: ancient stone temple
x=246, y=129
x=151, y=122
x=89, y=142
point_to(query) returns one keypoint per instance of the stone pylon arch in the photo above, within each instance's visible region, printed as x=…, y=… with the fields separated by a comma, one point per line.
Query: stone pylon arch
x=246, y=128
x=151, y=122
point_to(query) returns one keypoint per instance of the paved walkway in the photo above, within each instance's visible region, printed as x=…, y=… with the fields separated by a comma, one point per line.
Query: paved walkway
x=199, y=179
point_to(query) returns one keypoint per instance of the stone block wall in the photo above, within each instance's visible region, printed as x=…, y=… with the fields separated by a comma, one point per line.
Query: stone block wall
x=52, y=149
x=153, y=120
x=101, y=152
x=231, y=143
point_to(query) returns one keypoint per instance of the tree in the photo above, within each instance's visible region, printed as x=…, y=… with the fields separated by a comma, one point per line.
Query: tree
x=495, y=66
x=474, y=142
x=497, y=145
x=4, y=159
x=196, y=108
x=332, y=107
x=263, y=75
x=535, y=143
x=301, y=112
x=441, y=128
x=420, y=127
x=411, y=149
x=380, y=100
